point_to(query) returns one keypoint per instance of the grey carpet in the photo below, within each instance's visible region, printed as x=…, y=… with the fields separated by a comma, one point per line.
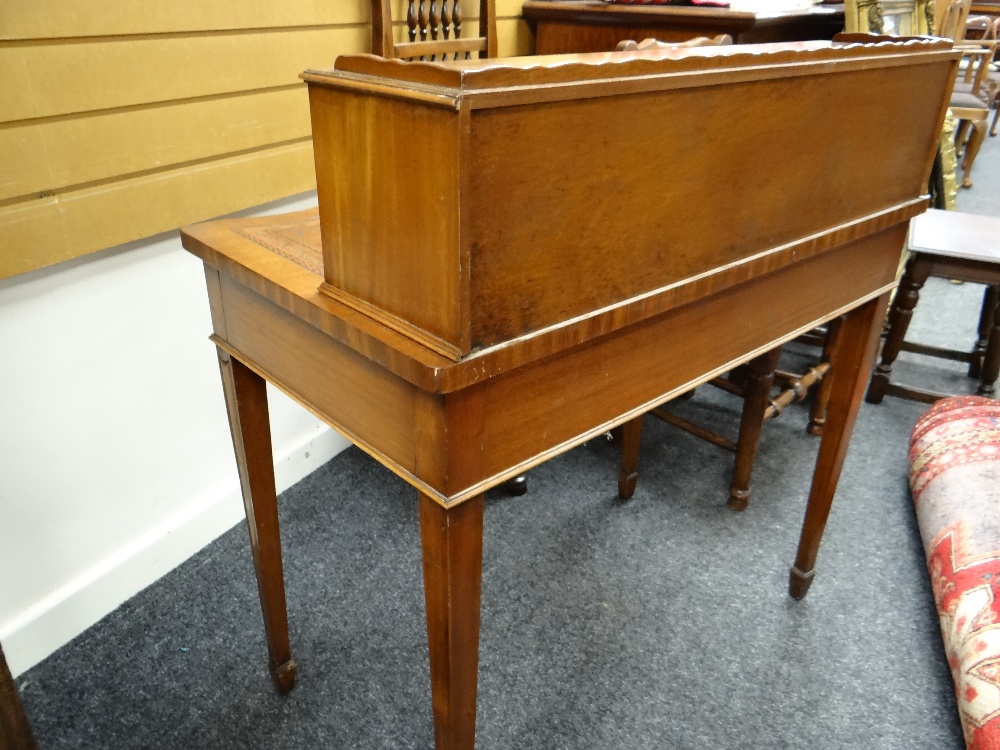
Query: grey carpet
x=661, y=623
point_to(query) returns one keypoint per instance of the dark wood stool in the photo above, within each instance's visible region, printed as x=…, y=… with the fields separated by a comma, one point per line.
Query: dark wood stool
x=950, y=245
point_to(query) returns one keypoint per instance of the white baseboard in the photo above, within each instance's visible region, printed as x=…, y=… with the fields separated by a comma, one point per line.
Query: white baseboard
x=68, y=611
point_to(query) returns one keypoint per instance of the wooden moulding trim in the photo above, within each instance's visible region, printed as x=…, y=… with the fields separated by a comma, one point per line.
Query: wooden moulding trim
x=450, y=501
x=430, y=371
x=593, y=89
x=433, y=96
x=405, y=474
x=441, y=46
x=421, y=336
x=501, y=477
x=554, y=78
x=640, y=307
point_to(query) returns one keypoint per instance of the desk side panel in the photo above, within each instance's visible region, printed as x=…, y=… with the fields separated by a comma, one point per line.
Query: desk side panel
x=388, y=185
x=368, y=404
x=584, y=203
x=538, y=411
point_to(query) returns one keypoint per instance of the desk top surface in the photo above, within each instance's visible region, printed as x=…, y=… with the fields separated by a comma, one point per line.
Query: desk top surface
x=957, y=234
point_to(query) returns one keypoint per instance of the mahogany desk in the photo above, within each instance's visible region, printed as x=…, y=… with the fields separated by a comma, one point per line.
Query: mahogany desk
x=594, y=26
x=464, y=345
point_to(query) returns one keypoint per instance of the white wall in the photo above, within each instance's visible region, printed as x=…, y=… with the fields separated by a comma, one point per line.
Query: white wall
x=116, y=462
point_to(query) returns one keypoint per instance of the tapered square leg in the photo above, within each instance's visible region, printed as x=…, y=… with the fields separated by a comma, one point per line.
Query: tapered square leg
x=850, y=363
x=246, y=400
x=452, y=542
x=628, y=472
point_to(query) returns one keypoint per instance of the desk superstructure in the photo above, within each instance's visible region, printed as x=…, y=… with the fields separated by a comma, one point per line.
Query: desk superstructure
x=520, y=254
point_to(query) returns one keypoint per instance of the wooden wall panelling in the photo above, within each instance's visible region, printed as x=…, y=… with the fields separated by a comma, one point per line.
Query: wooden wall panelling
x=50, y=19
x=84, y=76
x=55, y=153
x=57, y=228
x=119, y=124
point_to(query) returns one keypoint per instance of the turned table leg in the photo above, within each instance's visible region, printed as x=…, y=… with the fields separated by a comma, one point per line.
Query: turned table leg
x=628, y=474
x=850, y=363
x=821, y=398
x=759, y=379
x=246, y=400
x=452, y=542
x=990, y=300
x=991, y=357
x=917, y=271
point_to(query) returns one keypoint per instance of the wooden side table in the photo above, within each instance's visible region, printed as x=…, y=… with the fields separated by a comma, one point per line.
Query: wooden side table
x=591, y=26
x=951, y=245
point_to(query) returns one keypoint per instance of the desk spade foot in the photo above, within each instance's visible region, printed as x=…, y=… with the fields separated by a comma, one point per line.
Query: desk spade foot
x=799, y=582
x=283, y=676
x=517, y=486
x=738, y=499
x=630, y=435
x=626, y=484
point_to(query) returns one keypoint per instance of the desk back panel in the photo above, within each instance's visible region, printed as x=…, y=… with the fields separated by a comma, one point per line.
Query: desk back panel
x=471, y=204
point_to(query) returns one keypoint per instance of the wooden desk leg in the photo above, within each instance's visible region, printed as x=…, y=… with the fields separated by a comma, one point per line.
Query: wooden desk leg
x=990, y=301
x=630, y=437
x=917, y=271
x=991, y=357
x=850, y=363
x=246, y=400
x=15, y=733
x=452, y=542
x=760, y=378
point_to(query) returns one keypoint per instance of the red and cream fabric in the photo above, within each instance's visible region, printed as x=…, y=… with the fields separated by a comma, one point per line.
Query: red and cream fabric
x=955, y=478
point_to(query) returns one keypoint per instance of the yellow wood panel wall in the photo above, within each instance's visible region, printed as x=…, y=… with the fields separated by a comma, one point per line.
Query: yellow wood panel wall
x=128, y=118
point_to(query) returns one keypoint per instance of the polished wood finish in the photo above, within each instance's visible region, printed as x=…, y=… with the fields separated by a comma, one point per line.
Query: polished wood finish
x=454, y=422
x=592, y=26
x=753, y=383
x=15, y=732
x=950, y=245
x=628, y=472
x=758, y=381
x=246, y=400
x=434, y=29
x=850, y=363
x=821, y=397
x=452, y=542
x=466, y=276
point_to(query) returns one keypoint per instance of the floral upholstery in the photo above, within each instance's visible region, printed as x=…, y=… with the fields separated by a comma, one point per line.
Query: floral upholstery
x=955, y=478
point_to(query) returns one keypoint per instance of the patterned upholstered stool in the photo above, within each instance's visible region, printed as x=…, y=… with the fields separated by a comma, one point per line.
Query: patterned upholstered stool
x=955, y=478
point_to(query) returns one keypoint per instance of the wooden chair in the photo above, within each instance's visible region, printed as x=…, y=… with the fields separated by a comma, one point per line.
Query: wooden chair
x=435, y=31
x=753, y=383
x=972, y=95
